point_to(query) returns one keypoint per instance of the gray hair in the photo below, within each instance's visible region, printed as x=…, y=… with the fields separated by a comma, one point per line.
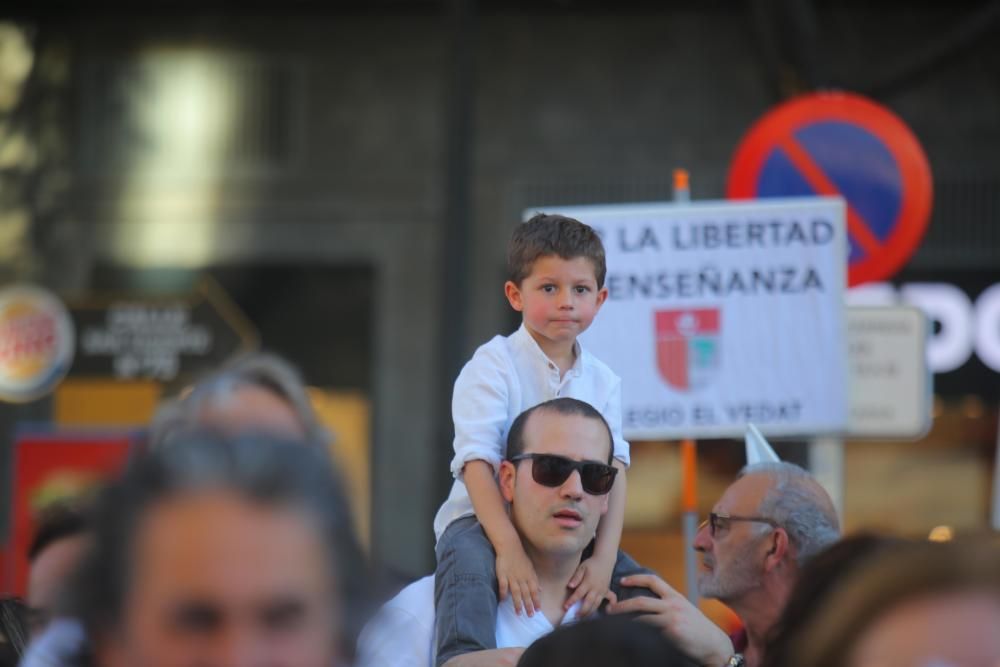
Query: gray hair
x=267, y=471
x=261, y=370
x=798, y=503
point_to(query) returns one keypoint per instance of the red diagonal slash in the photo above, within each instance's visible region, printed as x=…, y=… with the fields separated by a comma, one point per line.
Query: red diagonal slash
x=811, y=171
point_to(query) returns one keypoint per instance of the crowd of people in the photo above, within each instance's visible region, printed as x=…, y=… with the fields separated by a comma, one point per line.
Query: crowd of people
x=228, y=539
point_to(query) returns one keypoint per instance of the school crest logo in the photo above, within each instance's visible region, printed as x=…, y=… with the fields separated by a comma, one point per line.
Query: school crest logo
x=687, y=346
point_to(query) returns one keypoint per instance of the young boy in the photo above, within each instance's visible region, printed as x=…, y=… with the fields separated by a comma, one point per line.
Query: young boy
x=556, y=273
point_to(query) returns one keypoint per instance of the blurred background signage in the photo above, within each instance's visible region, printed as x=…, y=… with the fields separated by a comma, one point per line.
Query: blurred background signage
x=963, y=348
x=160, y=338
x=53, y=466
x=889, y=378
x=36, y=342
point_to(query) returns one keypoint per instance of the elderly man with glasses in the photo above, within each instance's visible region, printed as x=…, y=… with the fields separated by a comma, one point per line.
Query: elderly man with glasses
x=773, y=518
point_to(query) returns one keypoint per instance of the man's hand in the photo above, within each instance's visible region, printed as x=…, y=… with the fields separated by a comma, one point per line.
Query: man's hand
x=679, y=620
x=497, y=657
x=516, y=575
x=591, y=583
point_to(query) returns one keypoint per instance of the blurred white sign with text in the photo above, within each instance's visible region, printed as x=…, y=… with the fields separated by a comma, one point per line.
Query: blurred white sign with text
x=723, y=313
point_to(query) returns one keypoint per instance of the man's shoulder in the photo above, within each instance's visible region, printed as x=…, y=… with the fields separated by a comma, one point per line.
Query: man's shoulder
x=416, y=596
x=402, y=632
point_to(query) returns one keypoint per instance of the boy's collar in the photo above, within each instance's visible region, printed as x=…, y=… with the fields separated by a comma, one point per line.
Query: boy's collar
x=524, y=338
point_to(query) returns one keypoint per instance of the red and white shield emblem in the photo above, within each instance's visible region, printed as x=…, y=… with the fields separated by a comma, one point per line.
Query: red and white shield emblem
x=687, y=346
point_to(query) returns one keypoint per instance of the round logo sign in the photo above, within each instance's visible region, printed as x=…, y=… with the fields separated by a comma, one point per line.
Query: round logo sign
x=847, y=145
x=36, y=342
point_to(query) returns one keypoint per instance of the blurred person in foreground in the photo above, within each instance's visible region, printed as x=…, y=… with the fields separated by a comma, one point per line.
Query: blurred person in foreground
x=259, y=393
x=821, y=577
x=60, y=541
x=923, y=605
x=221, y=552
x=604, y=642
x=763, y=529
x=556, y=478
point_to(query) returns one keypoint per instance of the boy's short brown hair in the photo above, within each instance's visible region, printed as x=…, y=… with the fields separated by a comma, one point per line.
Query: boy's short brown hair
x=546, y=235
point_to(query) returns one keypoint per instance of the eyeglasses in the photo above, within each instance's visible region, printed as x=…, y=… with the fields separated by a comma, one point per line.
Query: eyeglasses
x=551, y=470
x=719, y=521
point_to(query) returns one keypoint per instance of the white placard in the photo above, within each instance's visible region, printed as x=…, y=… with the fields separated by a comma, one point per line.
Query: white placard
x=723, y=313
x=889, y=378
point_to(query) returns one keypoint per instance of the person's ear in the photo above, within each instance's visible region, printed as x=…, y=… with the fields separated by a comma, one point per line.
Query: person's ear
x=602, y=296
x=506, y=480
x=513, y=294
x=778, y=549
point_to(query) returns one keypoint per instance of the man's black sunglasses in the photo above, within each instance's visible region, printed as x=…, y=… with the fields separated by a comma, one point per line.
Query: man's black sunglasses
x=552, y=470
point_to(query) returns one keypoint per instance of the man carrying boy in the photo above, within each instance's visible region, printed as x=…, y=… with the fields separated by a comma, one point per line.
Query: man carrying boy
x=556, y=477
x=556, y=271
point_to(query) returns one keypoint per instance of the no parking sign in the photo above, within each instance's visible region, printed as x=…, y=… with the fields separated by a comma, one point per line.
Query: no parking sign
x=843, y=144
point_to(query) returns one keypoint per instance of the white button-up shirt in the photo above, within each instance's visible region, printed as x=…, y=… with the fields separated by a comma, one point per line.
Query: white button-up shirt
x=505, y=377
x=402, y=633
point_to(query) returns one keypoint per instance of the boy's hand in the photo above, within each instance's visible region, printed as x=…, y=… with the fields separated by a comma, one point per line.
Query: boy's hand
x=516, y=575
x=591, y=583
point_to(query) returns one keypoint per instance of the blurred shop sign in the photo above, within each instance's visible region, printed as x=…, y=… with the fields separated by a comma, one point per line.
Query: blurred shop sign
x=889, y=379
x=52, y=467
x=836, y=143
x=36, y=342
x=160, y=338
x=963, y=349
x=723, y=313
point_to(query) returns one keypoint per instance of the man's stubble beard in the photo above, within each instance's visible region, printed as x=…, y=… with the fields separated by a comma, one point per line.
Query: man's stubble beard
x=738, y=577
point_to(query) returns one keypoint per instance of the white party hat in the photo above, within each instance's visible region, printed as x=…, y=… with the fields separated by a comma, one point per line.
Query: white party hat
x=758, y=448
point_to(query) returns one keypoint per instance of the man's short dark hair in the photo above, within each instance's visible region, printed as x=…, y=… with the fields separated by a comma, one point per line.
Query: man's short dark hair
x=562, y=406
x=58, y=521
x=608, y=640
x=547, y=235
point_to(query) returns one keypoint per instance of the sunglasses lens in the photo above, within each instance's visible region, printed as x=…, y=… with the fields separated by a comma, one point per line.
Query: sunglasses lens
x=597, y=479
x=551, y=470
